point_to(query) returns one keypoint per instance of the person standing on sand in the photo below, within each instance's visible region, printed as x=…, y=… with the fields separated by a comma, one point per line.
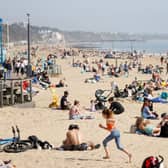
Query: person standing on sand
x=114, y=133
x=161, y=60
x=126, y=69
x=166, y=67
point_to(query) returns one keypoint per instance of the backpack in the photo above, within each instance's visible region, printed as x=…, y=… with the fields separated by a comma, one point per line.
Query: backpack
x=153, y=162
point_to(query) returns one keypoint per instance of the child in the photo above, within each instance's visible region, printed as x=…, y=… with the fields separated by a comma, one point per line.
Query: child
x=54, y=98
x=92, y=106
x=114, y=133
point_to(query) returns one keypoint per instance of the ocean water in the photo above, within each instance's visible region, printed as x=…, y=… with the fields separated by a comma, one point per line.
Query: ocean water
x=150, y=46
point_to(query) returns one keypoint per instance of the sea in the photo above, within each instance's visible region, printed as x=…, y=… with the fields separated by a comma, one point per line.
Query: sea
x=149, y=46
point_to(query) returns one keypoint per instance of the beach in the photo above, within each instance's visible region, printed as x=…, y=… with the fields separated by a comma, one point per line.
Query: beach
x=51, y=124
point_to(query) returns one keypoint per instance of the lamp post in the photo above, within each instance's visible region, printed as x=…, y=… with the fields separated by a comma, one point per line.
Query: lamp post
x=116, y=61
x=29, y=70
x=7, y=34
x=1, y=41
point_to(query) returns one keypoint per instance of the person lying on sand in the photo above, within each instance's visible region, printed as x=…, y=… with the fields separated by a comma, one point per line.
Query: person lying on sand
x=155, y=99
x=145, y=126
x=74, y=140
x=61, y=83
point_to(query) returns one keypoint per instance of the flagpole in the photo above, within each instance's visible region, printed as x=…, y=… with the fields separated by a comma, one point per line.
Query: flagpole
x=7, y=31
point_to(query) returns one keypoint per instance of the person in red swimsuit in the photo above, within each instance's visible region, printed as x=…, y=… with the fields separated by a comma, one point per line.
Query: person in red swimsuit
x=114, y=133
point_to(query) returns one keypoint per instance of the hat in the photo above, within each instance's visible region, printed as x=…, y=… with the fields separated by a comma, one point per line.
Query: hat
x=66, y=92
x=163, y=115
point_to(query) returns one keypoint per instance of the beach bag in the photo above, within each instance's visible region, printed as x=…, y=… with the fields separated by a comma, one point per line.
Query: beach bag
x=153, y=162
x=45, y=145
x=164, y=130
x=117, y=93
x=117, y=107
x=99, y=106
x=164, y=95
x=133, y=129
x=124, y=94
x=37, y=143
x=82, y=147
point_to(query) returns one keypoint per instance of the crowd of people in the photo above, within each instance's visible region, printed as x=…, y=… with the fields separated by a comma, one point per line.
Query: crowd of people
x=101, y=67
x=137, y=90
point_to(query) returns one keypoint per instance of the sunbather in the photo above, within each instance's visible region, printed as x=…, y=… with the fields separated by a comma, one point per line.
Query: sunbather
x=161, y=130
x=62, y=83
x=144, y=126
x=146, y=111
x=74, y=140
x=76, y=113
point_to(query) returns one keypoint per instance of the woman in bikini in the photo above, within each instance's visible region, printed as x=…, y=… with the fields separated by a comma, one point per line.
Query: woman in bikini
x=75, y=112
x=146, y=127
x=114, y=133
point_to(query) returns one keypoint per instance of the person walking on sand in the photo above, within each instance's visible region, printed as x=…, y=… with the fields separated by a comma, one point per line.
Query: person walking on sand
x=161, y=60
x=114, y=133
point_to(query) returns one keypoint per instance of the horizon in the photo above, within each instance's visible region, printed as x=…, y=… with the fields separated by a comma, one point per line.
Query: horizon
x=90, y=16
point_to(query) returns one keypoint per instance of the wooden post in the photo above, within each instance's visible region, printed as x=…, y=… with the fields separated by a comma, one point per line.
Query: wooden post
x=21, y=87
x=1, y=93
x=60, y=69
x=12, y=96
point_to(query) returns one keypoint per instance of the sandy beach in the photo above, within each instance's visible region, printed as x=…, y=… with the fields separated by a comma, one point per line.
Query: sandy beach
x=51, y=125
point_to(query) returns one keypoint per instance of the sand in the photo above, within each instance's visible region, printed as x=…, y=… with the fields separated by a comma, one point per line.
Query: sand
x=51, y=125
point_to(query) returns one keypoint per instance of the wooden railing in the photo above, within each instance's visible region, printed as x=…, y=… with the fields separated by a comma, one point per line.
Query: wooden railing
x=9, y=86
x=54, y=70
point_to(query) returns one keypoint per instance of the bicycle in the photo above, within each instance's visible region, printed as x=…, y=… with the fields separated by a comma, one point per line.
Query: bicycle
x=15, y=145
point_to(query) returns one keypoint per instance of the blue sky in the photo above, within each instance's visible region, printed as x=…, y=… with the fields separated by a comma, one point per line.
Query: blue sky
x=134, y=16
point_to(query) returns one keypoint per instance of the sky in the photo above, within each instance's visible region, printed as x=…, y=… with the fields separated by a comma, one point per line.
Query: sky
x=133, y=16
